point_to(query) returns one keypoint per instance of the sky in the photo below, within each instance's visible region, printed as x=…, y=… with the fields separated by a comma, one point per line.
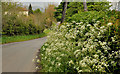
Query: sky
x=54, y=0
x=42, y=4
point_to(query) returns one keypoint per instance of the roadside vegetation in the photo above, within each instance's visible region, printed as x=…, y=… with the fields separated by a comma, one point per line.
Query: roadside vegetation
x=88, y=41
x=18, y=38
x=17, y=24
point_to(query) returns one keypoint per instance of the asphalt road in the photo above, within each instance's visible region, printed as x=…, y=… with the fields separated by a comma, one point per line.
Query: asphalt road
x=17, y=57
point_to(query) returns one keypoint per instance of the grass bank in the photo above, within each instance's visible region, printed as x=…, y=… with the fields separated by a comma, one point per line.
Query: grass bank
x=9, y=39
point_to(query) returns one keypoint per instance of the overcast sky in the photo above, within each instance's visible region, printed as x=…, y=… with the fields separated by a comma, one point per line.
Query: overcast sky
x=54, y=0
x=42, y=4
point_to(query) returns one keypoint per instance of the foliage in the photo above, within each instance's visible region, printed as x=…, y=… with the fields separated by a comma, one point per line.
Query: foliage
x=30, y=10
x=81, y=47
x=98, y=6
x=14, y=23
x=90, y=16
x=49, y=16
x=22, y=25
x=58, y=12
x=77, y=7
x=114, y=13
x=114, y=17
x=37, y=11
x=103, y=17
x=47, y=31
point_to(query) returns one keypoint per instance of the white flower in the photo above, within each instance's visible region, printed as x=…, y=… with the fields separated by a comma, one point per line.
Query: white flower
x=104, y=43
x=99, y=33
x=62, y=54
x=52, y=62
x=58, y=58
x=87, y=34
x=95, y=25
x=88, y=25
x=77, y=30
x=82, y=27
x=83, y=65
x=96, y=39
x=36, y=56
x=71, y=62
x=37, y=67
x=102, y=27
x=59, y=64
x=98, y=22
x=77, y=23
x=93, y=30
x=96, y=56
x=73, y=21
x=38, y=60
x=63, y=26
x=76, y=51
x=84, y=49
x=81, y=22
x=112, y=62
x=113, y=39
x=109, y=24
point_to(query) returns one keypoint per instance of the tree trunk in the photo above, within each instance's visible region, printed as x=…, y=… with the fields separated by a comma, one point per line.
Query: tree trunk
x=85, y=5
x=63, y=12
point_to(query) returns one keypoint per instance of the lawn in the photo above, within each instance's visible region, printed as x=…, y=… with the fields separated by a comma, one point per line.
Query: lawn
x=9, y=39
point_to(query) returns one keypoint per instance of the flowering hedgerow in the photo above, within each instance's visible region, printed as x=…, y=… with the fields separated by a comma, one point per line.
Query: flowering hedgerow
x=81, y=47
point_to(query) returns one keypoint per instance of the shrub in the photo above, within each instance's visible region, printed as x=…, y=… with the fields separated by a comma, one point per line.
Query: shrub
x=103, y=17
x=14, y=23
x=90, y=16
x=81, y=47
x=20, y=25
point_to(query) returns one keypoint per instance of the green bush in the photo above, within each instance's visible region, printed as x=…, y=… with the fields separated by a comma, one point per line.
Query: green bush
x=21, y=25
x=113, y=13
x=104, y=17
x=90, y=16
x=81, y=47
x=15, y=23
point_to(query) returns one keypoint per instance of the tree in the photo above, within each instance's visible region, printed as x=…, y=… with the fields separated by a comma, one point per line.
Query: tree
x=30, y=9
x=49, y=15
x=63, y=12
x=85, y=5
x=58, y=12
x=37, y=11
x=77, y=7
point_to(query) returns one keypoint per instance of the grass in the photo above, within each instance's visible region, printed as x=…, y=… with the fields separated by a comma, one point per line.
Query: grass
x=9, y=39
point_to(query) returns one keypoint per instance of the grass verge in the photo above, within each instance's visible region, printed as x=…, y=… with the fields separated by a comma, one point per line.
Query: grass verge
x=9, y=39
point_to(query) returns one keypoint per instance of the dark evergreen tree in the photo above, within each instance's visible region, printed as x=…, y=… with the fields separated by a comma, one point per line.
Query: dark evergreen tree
x=30, y=9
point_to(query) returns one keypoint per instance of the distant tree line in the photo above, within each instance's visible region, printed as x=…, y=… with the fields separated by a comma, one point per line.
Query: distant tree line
x=35, y=23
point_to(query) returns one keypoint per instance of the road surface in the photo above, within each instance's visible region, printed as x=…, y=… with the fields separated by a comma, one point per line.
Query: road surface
x=17, y=57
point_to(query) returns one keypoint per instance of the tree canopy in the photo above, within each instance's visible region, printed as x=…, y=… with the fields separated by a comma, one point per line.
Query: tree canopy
x=37, y=11
x=77, y=7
